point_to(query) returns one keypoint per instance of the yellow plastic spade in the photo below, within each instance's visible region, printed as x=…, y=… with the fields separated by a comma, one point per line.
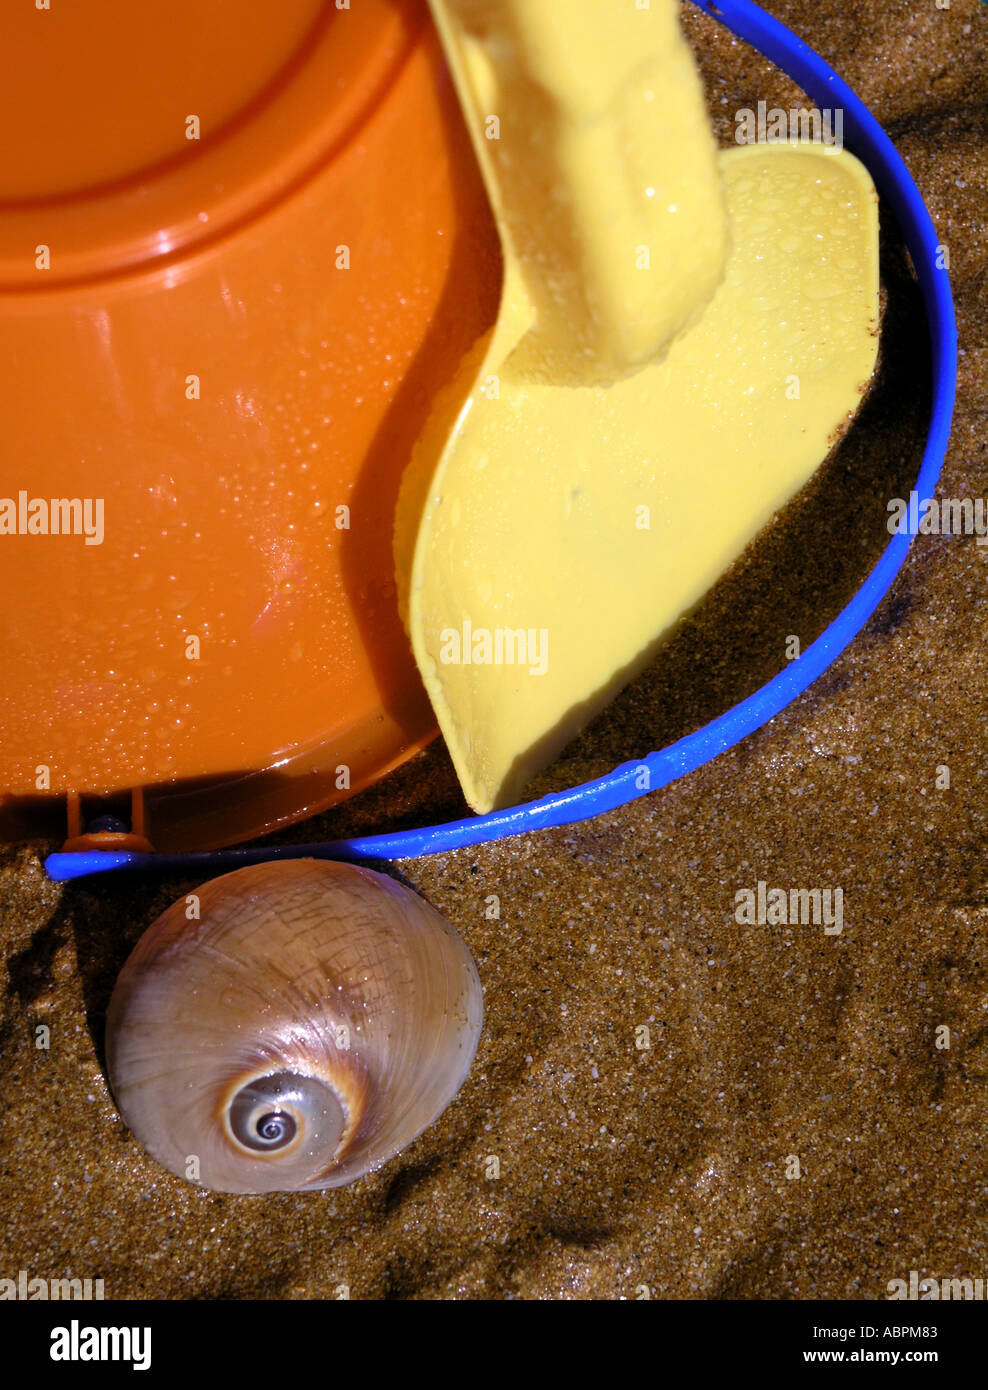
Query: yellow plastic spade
x=641, y=408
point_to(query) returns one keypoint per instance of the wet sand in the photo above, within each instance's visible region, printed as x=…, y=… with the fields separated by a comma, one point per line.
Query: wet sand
x=664, y=1166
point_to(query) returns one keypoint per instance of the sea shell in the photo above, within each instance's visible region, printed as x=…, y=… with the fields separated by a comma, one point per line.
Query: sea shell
x=310, y=1024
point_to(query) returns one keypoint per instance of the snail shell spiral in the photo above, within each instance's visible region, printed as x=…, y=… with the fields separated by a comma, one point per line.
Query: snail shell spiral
x=310, y=1024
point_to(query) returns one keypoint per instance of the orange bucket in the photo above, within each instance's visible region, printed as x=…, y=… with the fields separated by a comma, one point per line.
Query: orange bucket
x=237, y=261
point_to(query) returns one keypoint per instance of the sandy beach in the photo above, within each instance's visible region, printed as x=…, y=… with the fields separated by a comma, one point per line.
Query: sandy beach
x=649, y=1067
